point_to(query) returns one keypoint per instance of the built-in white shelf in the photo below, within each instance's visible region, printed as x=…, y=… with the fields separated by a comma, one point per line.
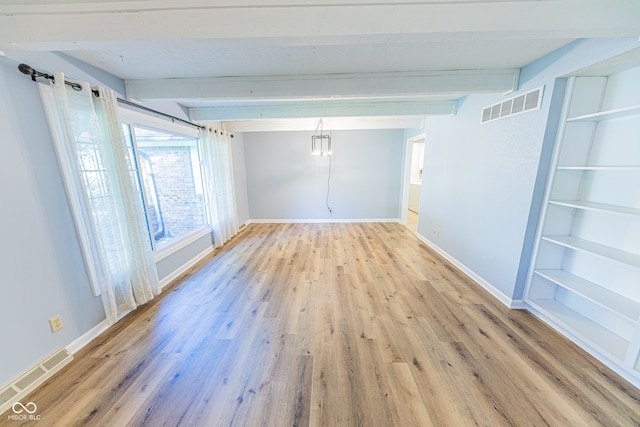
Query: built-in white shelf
x=589, y=247
x=587, y=288
x=606, y=341
x=598, y=207
x=599, y=168
x=597, y=294
x=607, y=115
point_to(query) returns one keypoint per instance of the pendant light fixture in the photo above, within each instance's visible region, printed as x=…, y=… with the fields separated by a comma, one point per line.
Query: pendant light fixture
x=320, y=144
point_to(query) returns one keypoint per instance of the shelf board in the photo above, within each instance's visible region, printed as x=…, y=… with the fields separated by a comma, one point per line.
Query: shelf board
x=607, y=115
x=595, y=249
x=603, y=339
x=594, y=293
x=599, y=168
x=598, y=207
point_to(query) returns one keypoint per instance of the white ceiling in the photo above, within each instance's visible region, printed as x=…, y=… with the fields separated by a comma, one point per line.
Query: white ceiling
x=246, y=59
x=278, y=57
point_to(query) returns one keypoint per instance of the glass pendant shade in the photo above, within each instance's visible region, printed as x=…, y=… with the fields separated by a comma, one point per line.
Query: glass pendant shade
x=321, y=145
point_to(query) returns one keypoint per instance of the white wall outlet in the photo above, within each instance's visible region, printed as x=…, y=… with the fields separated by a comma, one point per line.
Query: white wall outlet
x=436, y=232
x=56, y=323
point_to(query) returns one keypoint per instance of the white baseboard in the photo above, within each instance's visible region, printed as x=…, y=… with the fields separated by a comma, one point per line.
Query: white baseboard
x=193, y=261
x=31, y=379
x=321, y=220
x=584, y=344
x=518, y=304
x=84, y=339
x=13, y=392
x=473, y=275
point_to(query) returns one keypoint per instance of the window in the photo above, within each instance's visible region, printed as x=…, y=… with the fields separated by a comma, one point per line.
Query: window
x=168, y=170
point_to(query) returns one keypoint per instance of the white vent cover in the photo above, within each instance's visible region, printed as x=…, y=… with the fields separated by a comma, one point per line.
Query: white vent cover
x=31, y=379
x=516, y=105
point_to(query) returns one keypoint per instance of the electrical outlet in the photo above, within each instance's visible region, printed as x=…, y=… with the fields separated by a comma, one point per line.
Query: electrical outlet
x=56, y=323
x=436, y=232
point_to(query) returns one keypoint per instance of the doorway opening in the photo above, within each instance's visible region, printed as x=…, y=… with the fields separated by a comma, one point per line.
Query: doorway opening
x=414, y=162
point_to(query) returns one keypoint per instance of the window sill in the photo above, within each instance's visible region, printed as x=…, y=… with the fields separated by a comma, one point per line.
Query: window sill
x=173, y=247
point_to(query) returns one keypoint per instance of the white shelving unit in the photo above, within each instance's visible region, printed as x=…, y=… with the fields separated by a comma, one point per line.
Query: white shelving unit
x=598, y=207
x=585, y=272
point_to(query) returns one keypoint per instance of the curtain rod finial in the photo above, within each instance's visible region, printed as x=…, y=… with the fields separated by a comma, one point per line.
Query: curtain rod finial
x=25, y=69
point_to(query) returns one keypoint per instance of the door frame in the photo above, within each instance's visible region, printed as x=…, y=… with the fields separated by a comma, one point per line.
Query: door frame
x=408, y=150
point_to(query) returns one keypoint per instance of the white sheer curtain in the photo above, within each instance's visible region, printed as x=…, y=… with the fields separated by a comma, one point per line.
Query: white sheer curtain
x=218, y=171
x=103, y=194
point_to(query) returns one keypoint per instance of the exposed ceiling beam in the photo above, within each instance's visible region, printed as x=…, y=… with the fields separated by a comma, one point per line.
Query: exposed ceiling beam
x=288, y=110
x=61, y=25
x=328, y=123
x=322, y=87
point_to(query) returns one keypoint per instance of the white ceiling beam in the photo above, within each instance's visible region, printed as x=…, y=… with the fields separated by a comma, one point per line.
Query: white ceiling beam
x=322, y=87
x=286, y=110
x=61, y=25
x=328, y=124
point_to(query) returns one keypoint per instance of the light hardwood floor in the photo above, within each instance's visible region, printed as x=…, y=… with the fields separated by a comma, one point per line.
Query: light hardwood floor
x=331, y=325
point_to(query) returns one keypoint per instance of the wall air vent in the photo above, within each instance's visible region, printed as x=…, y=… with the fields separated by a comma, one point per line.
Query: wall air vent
x=31, y=379
x=516, y=105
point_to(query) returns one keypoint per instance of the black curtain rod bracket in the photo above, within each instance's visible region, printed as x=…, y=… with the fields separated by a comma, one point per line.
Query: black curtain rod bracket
x=26, y=69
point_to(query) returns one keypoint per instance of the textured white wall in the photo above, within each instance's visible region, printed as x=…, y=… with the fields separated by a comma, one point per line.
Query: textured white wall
x=284, y=182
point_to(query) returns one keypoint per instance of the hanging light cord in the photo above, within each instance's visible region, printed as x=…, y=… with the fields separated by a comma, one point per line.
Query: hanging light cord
x=329, y=188
x=320, y=126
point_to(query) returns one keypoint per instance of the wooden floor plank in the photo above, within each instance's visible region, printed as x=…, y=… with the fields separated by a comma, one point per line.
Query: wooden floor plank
x=331, y=325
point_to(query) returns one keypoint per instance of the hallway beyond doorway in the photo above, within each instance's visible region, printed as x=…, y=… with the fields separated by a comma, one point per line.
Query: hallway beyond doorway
x=412, y=221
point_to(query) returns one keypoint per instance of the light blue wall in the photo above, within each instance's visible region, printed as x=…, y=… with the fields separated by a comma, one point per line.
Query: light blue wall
x=284, y=182
x=410, y=133
x=477, y=184
x=169, y=265
x=51, y=62
x=479, y=188
x=42, y=268
x=240, y=177
x=482, y=184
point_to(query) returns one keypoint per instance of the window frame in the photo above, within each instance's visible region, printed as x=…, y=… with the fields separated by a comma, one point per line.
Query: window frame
x=132, y=118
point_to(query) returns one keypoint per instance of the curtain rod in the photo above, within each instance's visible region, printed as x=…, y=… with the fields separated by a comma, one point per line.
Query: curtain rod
x=25, y=69
x=151, y=110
